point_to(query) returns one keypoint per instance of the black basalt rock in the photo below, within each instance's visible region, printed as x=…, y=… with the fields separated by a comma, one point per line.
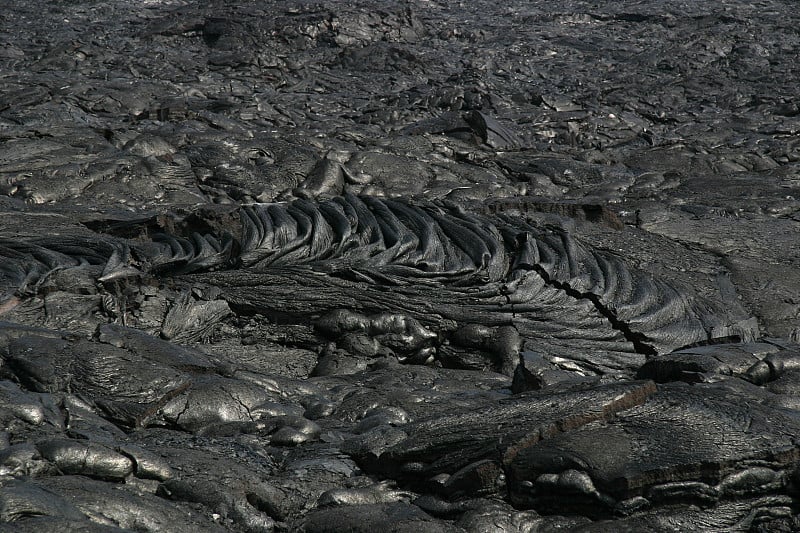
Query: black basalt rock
x=324, y=266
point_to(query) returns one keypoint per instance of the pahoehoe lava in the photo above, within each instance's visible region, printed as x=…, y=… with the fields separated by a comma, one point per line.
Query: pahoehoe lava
x=321, y=266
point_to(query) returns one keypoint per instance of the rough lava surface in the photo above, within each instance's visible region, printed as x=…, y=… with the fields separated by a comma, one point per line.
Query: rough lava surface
x=411, y=266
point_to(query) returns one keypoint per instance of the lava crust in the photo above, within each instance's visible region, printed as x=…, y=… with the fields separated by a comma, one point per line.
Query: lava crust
x=408, y=266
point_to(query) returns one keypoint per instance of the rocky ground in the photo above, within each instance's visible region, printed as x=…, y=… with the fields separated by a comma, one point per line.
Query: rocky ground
x=399, y=266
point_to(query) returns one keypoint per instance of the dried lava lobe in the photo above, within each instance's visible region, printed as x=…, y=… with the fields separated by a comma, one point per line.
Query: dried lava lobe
x=292, y=266
x=564, y=299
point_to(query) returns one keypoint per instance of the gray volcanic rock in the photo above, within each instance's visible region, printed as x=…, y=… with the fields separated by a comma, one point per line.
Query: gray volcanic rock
x=323, y=266
x=446, y=444
x=693, y=444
